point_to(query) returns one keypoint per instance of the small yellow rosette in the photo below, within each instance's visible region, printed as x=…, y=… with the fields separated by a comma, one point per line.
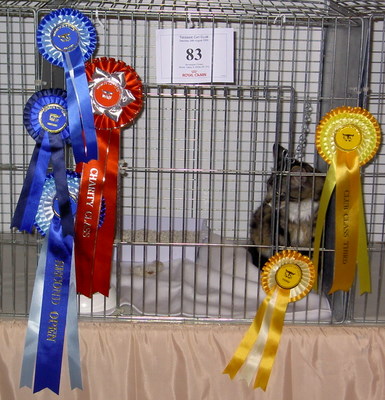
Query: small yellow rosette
x=286, y=277
x=346, y=138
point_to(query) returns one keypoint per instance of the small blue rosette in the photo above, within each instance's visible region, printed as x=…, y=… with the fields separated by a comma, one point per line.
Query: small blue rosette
x=67, y=38
x=53, y=312
x=49, y=206
x=46, y=120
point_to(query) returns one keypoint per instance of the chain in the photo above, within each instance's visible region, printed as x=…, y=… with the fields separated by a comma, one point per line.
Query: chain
x=300, y=150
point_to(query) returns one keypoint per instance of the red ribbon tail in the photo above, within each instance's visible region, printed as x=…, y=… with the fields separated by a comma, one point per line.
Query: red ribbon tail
x=88, y=219
x=106, y=233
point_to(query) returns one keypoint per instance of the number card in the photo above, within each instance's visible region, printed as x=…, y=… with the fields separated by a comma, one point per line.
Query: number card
x=195, y=55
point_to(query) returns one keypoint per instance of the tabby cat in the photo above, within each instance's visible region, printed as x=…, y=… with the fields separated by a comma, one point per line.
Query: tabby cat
x=288, y=213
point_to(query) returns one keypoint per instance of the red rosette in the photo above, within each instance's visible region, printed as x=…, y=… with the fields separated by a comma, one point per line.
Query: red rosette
x=116, y=99
x=116, y=93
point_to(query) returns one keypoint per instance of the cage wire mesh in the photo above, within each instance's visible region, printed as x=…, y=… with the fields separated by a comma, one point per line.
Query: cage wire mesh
x=194, y=166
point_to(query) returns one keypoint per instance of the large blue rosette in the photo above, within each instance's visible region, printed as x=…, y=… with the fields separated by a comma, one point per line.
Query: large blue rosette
x=67, y=38
x=53, y=312
x=45, y=118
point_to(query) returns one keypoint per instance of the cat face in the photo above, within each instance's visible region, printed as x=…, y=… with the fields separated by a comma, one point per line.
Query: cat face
x=293, y=182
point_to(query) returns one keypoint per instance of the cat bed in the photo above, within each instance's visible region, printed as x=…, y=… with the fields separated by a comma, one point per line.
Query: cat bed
x=221, y=283
x=150, y=229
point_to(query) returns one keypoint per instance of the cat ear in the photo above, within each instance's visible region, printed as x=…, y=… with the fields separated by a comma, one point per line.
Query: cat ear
x=280, y=154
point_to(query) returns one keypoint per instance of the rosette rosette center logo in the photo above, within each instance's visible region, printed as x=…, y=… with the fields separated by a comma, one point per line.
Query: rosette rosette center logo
x=109, y=93
x=53, y=118
x=65, y=37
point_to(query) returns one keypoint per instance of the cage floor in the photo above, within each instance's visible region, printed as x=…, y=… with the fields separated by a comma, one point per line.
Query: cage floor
x=221, y=283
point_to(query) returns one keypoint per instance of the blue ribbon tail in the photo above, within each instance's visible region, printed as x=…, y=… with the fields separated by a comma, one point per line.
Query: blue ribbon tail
x=31, y=339
x=80, y=115
x=62, y=192
x=54, y=309
x=73, y=334
x=26, y=209
x=75, y=124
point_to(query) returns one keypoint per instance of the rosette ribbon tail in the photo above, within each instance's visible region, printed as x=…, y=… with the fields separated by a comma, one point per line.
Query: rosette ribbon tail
x=72, y=333
x=364, y=275
x=256, y=354
x=89, y=217
x=33, y=329
x=53, y=312
x=62, y=192
x=80, y=116
x=24, y=216
x=327, y=191
x=351, y=247
x=106, y=233
x=54, y=309
x=248, y=341
x=95, y=222
x=347, y=211
x=273, y=339
x=286, y=277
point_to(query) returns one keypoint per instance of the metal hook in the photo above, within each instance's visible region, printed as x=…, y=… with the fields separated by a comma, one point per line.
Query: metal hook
x=98, y=22
x=280, y=16
x=191, y=24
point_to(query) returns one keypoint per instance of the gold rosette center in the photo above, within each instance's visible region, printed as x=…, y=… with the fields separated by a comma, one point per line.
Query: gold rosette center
x=290, y=270
x=348, y=138
x=288, y=276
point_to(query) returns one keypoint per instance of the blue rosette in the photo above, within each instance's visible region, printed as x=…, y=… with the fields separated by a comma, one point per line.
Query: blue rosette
x=46, y=111
x=46, y=120
x=67, y=38
x=48, y=205
x=76, y=29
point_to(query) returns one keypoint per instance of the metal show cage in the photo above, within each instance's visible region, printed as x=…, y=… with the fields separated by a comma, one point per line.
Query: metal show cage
x=194, y=165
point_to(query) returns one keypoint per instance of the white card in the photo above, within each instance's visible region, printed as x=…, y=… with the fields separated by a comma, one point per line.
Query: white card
x=195, y=55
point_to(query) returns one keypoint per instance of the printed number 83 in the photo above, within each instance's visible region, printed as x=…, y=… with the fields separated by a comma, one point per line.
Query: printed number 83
x=192, y=54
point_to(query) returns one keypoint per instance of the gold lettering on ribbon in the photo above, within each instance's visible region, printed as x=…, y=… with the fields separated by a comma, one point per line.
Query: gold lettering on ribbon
x=91, y=186
x=90, y=199
x=347, y=212
x=55, y=300
x=52, y=327
x=57, y=282
x=346, y=227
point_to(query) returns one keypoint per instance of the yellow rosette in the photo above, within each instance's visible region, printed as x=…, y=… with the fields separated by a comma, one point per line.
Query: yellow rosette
x=286, y=277
x=346, y=138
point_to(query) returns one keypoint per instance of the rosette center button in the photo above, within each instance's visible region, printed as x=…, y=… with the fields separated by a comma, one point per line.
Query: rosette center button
x=107, y=94
x=53, y=118
x=348, y=138
x=65, y=37
x=288, y=276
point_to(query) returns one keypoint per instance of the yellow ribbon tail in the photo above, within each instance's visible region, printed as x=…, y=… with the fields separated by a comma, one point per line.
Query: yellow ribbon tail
x=248, y=341
x=347, y=212
x=251, y=364
x=328, y=188
x=362, y=253
x=274, y=337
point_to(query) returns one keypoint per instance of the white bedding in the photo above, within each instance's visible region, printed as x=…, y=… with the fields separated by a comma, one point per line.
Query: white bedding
x=222, y=283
